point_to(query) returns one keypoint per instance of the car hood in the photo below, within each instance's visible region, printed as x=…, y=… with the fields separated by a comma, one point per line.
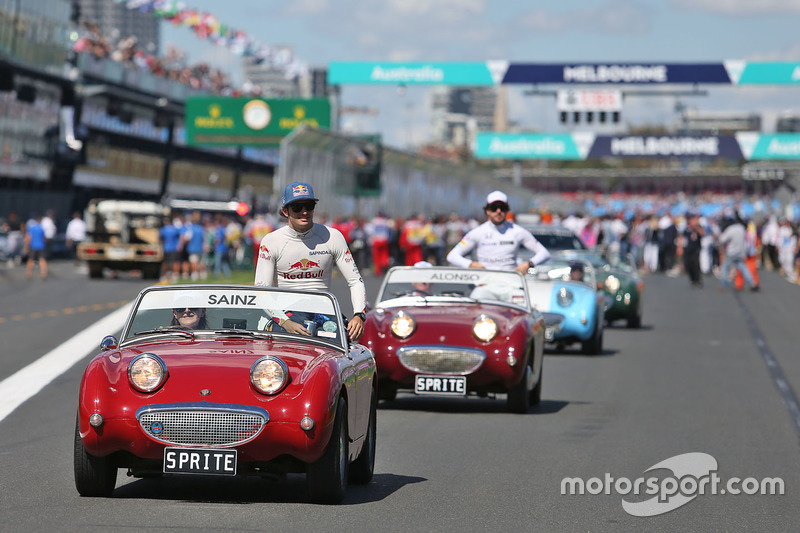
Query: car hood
x=542, y=294
x=218, y=360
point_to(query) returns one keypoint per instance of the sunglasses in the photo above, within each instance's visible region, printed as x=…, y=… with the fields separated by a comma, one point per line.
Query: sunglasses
x=303, y=206
x=497, y=205
x=180, y=310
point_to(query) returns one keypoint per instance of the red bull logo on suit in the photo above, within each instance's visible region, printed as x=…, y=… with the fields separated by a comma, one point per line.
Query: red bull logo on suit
x=304, y=265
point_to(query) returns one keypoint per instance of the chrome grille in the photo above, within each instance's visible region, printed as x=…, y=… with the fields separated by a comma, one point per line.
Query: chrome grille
x=202, y=424
x=441, y=359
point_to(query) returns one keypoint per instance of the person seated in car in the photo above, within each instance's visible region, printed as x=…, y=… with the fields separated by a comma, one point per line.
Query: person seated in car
x=422, y=288
x=576, y=271
x=189, y=317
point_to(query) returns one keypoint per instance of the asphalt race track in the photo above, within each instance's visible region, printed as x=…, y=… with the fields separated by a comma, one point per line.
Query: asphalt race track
x=712, y=374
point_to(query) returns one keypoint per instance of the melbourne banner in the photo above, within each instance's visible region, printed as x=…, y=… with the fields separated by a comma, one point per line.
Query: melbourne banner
x=579, y=146
x=732, y=72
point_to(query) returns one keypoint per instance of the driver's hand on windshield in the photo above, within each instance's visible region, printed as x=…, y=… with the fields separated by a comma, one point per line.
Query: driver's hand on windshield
x=475, y=264
x=294, y=327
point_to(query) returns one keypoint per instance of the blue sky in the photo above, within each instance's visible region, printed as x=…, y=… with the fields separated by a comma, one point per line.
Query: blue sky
x=667, y=31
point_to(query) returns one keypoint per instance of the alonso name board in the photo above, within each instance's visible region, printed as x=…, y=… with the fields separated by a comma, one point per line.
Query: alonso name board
x=225, y=121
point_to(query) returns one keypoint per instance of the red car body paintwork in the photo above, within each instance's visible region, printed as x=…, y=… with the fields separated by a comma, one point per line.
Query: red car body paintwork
x=448, y=323
x=210, y=369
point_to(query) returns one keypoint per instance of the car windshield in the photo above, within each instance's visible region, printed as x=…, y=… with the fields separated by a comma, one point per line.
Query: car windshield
x=556, y=240
x=576, y=270
x=442, y=284
x=219, y=310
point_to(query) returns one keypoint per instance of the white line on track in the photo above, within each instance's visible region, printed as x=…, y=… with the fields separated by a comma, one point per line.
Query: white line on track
x=25, y=383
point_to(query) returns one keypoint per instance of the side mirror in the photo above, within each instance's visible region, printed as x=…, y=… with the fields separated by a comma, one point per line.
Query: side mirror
x=109, y=342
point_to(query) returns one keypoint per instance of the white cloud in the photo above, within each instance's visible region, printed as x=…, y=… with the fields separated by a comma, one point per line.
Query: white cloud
x=614, y=17
x=790, y=53
x=442, y=9
x=741, y=7
x=306, y=7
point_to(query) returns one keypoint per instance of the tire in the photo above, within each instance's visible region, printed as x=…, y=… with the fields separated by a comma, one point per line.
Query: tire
x=151, y=271
x=94, y=476
x=95, y=270
x=519, y=398
x=326, y=479
x=536, y=393
x=594, y=345
x=363, y=467
x=635, y=322
x=386, y=392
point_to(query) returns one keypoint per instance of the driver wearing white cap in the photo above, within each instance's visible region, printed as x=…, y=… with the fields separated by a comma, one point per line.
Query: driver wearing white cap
x=497, y=241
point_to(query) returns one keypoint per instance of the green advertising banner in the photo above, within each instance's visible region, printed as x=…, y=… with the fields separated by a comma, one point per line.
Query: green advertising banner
x=226, y=121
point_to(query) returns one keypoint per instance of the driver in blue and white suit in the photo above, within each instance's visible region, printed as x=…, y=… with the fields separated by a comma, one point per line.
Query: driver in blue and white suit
x=497, y=241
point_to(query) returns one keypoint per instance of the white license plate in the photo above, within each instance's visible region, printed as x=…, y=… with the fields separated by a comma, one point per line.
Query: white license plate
x=200, y=461
x=441, y=385
x=118, y=253
x=549, y=334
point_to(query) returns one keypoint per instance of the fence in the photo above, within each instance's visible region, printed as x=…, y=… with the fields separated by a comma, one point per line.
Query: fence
x=410, y=183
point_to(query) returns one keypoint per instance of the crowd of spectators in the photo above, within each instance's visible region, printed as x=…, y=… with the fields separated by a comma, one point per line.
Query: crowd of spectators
x=172, y=65
x=199, y=245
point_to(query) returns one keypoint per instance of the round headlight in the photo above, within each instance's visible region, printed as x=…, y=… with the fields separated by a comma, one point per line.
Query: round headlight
x=564, y=297
x=147, y=372
x=612, y=284
x=269, y=375
x=484, y=329
x=403, y=325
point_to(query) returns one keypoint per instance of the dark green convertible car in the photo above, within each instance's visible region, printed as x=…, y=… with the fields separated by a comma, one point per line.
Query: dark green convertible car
x=619, y=278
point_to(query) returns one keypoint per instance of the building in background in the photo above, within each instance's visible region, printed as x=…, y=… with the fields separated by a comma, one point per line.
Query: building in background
x=719, y=122
x=459, y=112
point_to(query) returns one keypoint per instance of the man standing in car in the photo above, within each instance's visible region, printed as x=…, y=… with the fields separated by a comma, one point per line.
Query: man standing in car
x=301, y=255
x=497, y=241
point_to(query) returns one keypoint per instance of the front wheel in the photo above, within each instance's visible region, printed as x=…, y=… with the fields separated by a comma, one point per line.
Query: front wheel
x=326, y=479
x=94, y=476
x=519, y=399
x=594, y=345
x=95, y=270
x=363, y=467
x=635, y=321
x=536, y=393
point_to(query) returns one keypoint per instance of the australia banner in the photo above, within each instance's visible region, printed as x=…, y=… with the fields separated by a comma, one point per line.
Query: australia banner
x=750, y=146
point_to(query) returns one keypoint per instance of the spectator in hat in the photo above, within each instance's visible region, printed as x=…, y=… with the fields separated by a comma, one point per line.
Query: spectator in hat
x=497, y=241
x=301, y=255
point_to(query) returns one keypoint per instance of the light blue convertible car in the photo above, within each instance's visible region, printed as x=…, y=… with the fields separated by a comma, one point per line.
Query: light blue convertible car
x=566, y=293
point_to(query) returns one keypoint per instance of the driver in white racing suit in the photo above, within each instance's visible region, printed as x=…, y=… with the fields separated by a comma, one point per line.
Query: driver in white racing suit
x=301, y=255
x=497, y=241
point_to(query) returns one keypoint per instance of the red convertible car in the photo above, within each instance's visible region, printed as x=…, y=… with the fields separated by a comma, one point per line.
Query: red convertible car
x=455, y=331
x=203, y=381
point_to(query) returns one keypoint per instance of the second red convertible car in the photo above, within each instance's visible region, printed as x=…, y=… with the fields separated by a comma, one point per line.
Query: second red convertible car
x=204, y=382
x=455, y=331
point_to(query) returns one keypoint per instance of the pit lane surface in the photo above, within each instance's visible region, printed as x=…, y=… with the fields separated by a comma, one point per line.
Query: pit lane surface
x=693, y=379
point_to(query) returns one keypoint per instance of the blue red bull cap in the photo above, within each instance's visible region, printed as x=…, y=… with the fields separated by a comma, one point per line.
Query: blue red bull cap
x=297, y=191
